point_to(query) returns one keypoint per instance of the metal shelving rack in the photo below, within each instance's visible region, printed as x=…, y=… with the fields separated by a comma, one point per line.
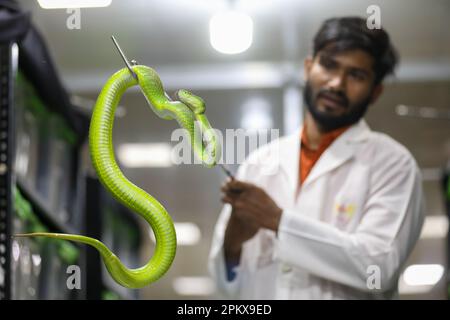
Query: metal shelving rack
x=89, y=199
x=8, y=66
x=42, y=210
x=86, y=195
x=9, y=55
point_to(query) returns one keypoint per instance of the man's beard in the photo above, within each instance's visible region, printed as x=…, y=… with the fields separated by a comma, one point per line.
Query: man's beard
x=329, y=122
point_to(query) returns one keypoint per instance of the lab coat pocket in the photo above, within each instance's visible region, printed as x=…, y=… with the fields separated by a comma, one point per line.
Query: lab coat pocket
x=266, y=248
x=294, y=277
x=258, y=251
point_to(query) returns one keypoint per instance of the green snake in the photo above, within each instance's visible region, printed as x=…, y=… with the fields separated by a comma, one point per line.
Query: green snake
x=189, y=112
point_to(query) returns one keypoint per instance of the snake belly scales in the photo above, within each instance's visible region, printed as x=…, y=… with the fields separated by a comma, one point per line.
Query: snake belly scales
x=189, y=113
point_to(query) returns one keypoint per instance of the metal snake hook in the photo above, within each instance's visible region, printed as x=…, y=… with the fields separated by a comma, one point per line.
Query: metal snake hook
x=127, y=63
x=227, y=171
x=134, y=62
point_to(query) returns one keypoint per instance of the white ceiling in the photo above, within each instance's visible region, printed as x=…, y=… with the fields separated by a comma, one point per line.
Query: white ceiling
x=173, y=35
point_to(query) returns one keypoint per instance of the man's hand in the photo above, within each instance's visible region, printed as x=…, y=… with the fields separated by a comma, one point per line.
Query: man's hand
x=252, y=205
x=252, y=209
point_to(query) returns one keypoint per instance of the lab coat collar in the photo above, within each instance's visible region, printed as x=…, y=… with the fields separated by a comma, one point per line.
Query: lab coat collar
x=341, y=150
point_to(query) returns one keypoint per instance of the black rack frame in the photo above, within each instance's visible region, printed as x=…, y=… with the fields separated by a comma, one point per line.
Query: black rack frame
x=9, y=64
x=88, y=199
x=8, y=67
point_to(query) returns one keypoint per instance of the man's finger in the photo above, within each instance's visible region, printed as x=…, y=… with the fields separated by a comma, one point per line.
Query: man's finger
x=228, y=188
x=226, y=199
x=234, y=194
x=239, y=185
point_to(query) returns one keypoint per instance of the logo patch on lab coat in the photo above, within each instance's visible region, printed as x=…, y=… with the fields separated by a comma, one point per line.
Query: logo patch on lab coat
x=344, y=213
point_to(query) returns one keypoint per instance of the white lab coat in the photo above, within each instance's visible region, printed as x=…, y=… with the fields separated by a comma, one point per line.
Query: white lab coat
x=346, y=234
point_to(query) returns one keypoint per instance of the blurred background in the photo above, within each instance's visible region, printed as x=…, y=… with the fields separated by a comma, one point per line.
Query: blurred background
x=258, y=88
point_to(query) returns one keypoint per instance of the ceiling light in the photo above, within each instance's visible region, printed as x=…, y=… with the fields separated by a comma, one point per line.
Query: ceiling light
x=231, y=32
x=144, y=155
x=64, y=4
x=423, y=274
x=405, y=289
x=194, y=286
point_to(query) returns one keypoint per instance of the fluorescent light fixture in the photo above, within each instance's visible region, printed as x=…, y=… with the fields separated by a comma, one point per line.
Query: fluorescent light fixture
x=15, y=251
x=256, y=114
x=423, y=274
x=144, y=155
x=435, y=227
x=405, y=289
x=188, y=233
x=194, y=286
x=231, y=32
x=64, y=4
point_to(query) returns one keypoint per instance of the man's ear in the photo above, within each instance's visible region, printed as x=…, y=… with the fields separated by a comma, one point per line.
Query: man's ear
x=307, y=65
x=377, y=91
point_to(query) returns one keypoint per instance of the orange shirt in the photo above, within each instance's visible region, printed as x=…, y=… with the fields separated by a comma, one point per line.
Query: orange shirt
x=308, y=156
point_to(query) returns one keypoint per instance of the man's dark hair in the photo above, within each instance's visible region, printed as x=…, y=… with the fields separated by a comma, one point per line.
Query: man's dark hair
x=347, y=33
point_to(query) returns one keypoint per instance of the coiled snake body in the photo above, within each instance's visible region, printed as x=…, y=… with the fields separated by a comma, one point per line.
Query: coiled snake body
x=187, y=112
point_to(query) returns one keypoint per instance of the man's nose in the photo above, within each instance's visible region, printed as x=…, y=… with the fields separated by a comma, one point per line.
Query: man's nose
x=337, y=82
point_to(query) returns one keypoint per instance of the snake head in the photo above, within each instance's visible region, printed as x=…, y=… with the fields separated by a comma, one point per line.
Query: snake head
x=193, y=102
x=207, y=147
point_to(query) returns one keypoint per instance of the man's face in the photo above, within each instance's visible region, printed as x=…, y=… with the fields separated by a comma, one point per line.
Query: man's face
x=339, y=87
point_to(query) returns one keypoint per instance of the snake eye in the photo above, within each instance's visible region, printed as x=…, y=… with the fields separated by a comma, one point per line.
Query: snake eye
x=185, y=92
